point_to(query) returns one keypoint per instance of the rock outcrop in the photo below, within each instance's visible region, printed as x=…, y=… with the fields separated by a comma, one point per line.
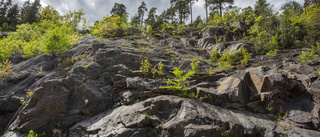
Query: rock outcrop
x=97, y=88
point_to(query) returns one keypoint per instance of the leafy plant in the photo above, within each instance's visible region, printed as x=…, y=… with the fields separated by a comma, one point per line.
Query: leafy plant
x=214, y=56
x=161, y=69
x=149, y=30
x=224, y=134
x=226, y=60
x=34, y=134
x=316, y=49
x=111, y=26
x=181, y=28
x=145, y=66
x=305, y=57
x=5, y=69
x=269, y=108
x=195, y=65
x=180, y=83
x=272, y=53
x=154, y=72
x=40, y=71
x=246, y=56
x=57, y=40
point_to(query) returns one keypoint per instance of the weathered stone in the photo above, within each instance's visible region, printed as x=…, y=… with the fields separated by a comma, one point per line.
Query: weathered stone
x=181, y=117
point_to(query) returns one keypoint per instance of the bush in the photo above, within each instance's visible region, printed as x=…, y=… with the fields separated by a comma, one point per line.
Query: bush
x=111, y=26
x=149, y=30
x=215, y=55
x=5, y=70
x=272, y=53
x=305, y=57
x=181, y=28
x=180, y=83
x=226, y=60
x=145, y=66
x=167, y=27
x=245, y=55
x=316, y=49
x=58, y=40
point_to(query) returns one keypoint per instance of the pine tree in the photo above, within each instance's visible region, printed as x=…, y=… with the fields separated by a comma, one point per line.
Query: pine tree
x=141, y=10
x=151, y=17
x=119, y=9
x=29, y=12
x=13, y=16
x=182, y=7
x=219, y=5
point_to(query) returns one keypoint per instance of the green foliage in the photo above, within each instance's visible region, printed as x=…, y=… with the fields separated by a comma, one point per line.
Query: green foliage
x=195, y=65
x=5, y=69
x=316, y=49
x=154, y=71
x=57, y=40
x=228, y=18
x=226, y=60
x=269, y=108
x=149, y=30
x=305, y=57
x=190, y=94
x=111, y=26
x=180, y=83
x=167, y=27
x=245, y=55
x=145, y=66
x=261, y=37
x=272, y=53
x=310, y=20
x=214, y=56
x=181, y=28
x=5, y=27
x=161, y=69
x=34, y=134
x=224, y=134
x=49, y=35
x=49, y=13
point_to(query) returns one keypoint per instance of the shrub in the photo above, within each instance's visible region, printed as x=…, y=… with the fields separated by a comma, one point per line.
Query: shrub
x=195, y=65
x=111, y=26
x=245, y=55
x=180, y=83
x=5, y=70
x=305, y=57
x=226, y=60
x=181, y=28
x=161, y=69
x=167, y=27
x=145, y=66
x=272, y=53
x=215, y=55
x=149, y=30
x=316, y=49
x=57, y=40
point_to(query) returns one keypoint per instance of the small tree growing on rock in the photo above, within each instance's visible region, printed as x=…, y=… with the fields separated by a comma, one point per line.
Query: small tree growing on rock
x=58, y=40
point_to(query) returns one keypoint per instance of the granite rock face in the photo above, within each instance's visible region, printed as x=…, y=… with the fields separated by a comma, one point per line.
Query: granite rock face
x=97, y=88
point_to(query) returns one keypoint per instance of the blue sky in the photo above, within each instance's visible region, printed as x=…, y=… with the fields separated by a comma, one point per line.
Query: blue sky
x=96, y=9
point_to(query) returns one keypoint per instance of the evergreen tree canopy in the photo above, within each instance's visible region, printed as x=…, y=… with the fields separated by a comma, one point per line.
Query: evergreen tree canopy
x=141, y=10
x=119, y=9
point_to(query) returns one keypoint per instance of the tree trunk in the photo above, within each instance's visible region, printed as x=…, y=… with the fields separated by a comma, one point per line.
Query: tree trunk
x=191, y=11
